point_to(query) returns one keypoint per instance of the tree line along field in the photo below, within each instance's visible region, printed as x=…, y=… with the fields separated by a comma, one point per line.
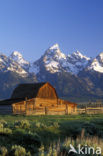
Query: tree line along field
x=48, y=135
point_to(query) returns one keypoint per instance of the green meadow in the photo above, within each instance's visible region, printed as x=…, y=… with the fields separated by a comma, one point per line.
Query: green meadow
x=48, y=135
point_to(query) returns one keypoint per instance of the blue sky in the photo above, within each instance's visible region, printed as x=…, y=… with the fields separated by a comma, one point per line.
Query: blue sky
x=31, y=26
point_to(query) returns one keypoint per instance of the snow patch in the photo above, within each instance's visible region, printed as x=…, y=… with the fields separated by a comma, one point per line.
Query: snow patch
x=55, y=46
x=96, y=66
x=52, y=66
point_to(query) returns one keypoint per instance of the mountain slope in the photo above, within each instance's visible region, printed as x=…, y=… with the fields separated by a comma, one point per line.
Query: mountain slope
x=78, y=62
x=9, y=80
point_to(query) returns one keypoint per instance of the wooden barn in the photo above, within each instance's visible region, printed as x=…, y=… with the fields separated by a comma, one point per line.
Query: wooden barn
x=40, y=99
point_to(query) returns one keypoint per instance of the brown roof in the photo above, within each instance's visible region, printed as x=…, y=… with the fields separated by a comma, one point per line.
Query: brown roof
x=29, y=90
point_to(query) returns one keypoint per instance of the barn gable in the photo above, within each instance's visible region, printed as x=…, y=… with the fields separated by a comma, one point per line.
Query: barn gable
x=40, y=90
x=47, y=91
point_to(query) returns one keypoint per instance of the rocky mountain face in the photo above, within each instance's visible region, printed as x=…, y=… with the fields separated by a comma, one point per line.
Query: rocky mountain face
x=13, y=70
x=55, y=61
x=74, y=76
x=96, y=64
x=18, y=58
x=8, y=64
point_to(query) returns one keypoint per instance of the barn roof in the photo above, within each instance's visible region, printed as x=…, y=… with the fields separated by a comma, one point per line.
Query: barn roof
x=28, y=90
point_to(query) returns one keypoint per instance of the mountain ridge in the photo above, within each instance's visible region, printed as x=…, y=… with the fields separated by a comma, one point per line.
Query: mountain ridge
x=55, y=61
x=74, y=76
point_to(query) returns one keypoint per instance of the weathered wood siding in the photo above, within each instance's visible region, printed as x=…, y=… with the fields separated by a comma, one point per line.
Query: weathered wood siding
x=72, y=109
x=19, y=108
x=47, y=91
x=42, y=106
x=36, y=111
x=42, y=102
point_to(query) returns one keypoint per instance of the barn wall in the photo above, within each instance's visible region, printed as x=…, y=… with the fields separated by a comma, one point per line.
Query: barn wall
x=19, y=108
x=36, y=111
x=40, y=106
x=72, y=109
x=57, y=110
x=45, y=102
x=47, y=91
x=47, y=111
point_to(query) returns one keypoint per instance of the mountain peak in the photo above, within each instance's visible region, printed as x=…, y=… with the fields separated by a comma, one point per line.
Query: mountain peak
x=55, y=46
x=16, y=53
x=78, y=54
x=100, y=58
x=97, y=63
x=17, y=57
x=54, y=52
x=100, y=55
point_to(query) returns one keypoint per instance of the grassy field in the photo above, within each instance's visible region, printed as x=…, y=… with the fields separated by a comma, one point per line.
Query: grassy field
x=48, y=118
x=48, y=135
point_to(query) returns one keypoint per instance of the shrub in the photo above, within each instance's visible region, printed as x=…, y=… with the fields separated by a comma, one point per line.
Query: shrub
x=1, y=125
x=22, y=124
x=49, y=152
x=38, y=124
x=41, y=150
x=18, y=150
x=3, y=151
x=54, y=153
x=56, y=125
x=5, y=131
x=3, y=122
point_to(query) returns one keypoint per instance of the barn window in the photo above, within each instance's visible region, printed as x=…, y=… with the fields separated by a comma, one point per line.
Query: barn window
x=52, y=105
x=40, y=105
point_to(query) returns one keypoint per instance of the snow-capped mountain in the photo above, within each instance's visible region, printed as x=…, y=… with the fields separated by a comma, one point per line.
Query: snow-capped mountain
x=97, y=64
x=78, y=57
x=51, y=60
x=7, y=64
x=18, y=58
x=70, y=74
x=76, y=62
x=55, y=61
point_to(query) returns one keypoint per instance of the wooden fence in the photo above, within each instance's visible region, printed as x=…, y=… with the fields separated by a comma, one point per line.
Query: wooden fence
x=90, y=110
